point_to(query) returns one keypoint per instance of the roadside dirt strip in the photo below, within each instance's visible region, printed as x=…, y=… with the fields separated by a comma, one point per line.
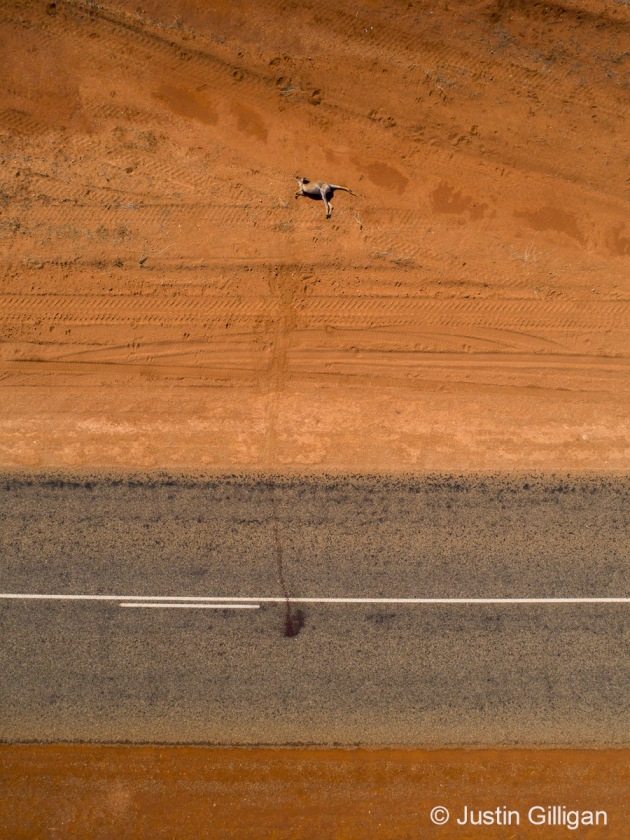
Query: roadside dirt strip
x=103, y=792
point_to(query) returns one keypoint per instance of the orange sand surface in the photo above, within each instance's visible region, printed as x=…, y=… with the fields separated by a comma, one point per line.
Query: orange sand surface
x=166, y=792
x=165, y=302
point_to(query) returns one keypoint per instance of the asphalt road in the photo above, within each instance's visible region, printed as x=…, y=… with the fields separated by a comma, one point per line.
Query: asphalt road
x=258, y=671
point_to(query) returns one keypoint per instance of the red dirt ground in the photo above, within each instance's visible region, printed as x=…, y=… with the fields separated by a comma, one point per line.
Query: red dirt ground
x=164, y=301
x=176, y=792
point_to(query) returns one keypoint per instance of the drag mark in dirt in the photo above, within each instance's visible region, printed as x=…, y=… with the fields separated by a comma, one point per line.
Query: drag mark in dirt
x=281, y=286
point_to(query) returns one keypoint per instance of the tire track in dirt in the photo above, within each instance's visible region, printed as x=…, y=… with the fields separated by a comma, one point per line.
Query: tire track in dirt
x=125, y=309
x=359, y=312
x=417, y=371
x=208, y=356
x=577, y=373
x=120, y=225
x=543, y=314
x=90, y=217
x=120, y=373
x=20, y=122
x=507, y=326
x=430, y=338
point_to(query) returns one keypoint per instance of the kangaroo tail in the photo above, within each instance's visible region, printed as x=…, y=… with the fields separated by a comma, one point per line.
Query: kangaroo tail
x=345, y=189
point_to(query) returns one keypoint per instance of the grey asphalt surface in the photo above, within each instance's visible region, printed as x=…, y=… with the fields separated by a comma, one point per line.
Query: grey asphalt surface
x=370, y=674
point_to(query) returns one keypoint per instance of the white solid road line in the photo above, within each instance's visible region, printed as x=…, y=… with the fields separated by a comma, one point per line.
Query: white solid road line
x=226, y=600
x=165, y=606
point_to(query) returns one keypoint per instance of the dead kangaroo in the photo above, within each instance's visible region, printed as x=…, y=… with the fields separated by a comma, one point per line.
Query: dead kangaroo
x=319, y=190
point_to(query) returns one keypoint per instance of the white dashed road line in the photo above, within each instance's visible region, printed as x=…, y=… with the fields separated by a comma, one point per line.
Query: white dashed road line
x=186, y=606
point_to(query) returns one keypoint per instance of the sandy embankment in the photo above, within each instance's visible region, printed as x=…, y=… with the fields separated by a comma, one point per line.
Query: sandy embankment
x=164, y=302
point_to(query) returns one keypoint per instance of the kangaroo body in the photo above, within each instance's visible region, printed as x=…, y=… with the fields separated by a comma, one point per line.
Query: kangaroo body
x=320, y=191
